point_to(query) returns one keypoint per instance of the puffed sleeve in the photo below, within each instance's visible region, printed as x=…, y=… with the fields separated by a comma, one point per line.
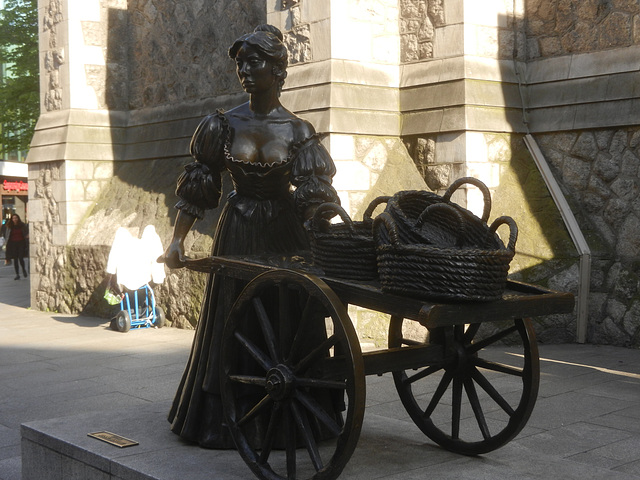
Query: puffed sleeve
x=199, y=186
x=312, y=173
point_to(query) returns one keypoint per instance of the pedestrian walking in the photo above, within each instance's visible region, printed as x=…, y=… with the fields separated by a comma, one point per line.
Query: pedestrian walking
x=3, y=237
x=17, y=239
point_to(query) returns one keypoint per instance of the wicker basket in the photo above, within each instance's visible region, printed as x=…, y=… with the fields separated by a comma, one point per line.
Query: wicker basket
x=344, y=250
x=460, y=270
x=405, y=208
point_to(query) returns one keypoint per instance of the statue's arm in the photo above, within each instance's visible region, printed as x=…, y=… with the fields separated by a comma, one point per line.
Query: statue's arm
x=312, y=175
x=174, y=256
x=199, y=187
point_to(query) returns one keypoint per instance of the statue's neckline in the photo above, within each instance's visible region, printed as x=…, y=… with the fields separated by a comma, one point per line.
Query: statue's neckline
x=227, y=145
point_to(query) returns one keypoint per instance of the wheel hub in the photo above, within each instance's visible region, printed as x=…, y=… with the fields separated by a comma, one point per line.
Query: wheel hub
x=280, y=381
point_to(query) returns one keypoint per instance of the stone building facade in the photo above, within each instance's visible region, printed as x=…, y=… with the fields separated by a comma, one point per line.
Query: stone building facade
x=582, y=100
x=406, y=93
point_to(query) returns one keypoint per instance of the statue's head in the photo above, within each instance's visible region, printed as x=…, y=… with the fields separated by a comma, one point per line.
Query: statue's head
x=268, y=41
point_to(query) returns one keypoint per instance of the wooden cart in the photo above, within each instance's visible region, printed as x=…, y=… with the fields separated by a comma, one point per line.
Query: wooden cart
x=453, y=390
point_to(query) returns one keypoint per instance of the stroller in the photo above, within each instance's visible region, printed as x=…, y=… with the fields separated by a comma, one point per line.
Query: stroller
x=132, y=264
x=141, y=313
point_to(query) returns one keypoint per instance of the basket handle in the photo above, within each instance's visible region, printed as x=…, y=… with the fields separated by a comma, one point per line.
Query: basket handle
x=473, y=181
x=320, y=219
x=513, y=230
x=366, y=216
x=387, y=220
x=450, y=209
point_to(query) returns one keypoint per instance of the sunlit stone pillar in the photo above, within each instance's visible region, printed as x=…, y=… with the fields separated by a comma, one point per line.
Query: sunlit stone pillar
x=344, y=78
x=78, y=134
x=458, y=85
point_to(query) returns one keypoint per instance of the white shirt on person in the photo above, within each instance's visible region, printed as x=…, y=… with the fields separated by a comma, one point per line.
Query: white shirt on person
x=133, y=260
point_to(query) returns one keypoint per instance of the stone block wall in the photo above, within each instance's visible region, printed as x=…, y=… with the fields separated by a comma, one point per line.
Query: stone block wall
x=178, y=50
x=369, y=167
x=582, y=108
x=134, y=204
x=418, y=22
x=560, y=27
x=408, y=93
x=123, y=87
x=601, y=172
x=431, y=29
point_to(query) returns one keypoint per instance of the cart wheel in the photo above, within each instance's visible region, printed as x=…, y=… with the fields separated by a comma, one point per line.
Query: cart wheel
x=123, y=321
x=160, y=318
x=292, y=376
x=444, y=400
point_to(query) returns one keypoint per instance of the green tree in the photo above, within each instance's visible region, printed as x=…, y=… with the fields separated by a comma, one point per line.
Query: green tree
x=19, y=89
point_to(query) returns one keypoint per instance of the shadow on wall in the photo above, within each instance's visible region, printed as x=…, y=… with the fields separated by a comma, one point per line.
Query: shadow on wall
x=171, y=71
x=166, y=70
x=163, y=73
x=545, y=254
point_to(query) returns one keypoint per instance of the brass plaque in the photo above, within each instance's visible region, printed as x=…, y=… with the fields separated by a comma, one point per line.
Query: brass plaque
x=113, y=439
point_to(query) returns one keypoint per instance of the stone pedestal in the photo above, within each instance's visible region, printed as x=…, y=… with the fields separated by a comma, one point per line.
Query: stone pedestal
x=60, y=449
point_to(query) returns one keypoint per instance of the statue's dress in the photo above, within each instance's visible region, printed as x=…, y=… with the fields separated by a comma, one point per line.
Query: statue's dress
x=262, y=215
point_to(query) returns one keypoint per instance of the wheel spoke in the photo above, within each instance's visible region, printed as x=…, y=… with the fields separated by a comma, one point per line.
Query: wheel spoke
x=272, y=430
x=316, y=409
x=438, y=394
x=498, y=367
x=472, y=395
x=284, y=317
x=471, y=333
x=320, y=351
x=248, y=380
x=317, y=383
x=425, y=372
x=456, y=402
x=264, y=361
x=266, y=327
x=301, y=334
x=307, y=436
x=491, y=391
x=476, y=347
x=260, y=406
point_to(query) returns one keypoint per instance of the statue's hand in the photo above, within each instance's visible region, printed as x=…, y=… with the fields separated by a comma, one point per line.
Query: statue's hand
x=173, y=256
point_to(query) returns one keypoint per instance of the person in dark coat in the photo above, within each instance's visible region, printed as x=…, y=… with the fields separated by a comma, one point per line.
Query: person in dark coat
x=17, y=244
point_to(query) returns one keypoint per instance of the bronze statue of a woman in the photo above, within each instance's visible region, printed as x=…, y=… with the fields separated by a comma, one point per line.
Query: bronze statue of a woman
x=267, y=151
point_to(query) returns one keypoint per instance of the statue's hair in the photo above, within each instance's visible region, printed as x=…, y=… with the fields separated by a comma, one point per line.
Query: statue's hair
x=268, y=41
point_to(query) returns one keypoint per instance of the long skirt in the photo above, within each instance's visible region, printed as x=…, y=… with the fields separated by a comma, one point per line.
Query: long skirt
x=267, y=227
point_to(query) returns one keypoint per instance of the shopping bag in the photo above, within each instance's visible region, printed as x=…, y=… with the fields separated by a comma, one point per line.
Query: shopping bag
x=111, y=298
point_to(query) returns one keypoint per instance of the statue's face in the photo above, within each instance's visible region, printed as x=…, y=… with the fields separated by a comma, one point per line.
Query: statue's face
x=254, y=72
